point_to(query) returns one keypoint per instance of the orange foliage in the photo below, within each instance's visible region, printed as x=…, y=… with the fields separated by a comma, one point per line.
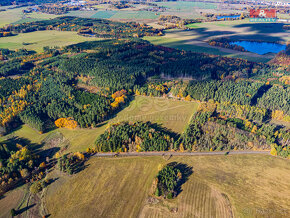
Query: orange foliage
x=66, y=122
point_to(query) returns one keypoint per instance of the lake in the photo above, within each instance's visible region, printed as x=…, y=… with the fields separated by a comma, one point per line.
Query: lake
x=260, y=47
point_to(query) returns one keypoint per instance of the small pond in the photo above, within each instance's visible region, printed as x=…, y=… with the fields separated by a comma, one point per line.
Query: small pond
x=229, y=17
x=260, y=47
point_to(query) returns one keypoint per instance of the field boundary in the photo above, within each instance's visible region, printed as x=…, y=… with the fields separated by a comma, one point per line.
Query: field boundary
x=170, y=153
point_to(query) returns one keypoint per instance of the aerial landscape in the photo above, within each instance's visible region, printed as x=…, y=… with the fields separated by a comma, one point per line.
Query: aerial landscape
x=144, y=108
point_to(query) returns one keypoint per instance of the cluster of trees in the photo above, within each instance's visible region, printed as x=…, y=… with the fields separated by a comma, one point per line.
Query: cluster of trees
x=16, y=162
x=6, y=54
x=86, y=26
x=5, y=33
x=139, y=136
x=58, y=101
x=11, y=106
x=8, y=86
x=15, y=66
x=213, y=131
x=30, y=117
x=151, y=89
x=57, y=9
x=167, y=182
x=276, y=98
x=242, y=111
x=71, y=163
x=172, y=21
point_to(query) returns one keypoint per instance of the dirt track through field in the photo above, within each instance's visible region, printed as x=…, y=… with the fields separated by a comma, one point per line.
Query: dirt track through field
x=169, y=153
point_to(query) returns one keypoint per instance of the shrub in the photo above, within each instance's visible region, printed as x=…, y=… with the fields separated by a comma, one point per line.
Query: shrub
x=37, y=187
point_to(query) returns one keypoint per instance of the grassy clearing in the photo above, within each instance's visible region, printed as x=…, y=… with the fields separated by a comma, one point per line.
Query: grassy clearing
x=37, y=40
x=264, y=59
x=78, y=139
x=9, y=201
x=172, y=114
x=118, y=187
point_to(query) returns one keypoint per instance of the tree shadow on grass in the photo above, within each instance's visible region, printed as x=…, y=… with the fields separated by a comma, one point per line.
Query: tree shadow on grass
x=79, y=166
x=18, y=212
x=186, y=172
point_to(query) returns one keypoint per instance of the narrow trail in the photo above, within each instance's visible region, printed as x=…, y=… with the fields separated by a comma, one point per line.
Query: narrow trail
x=166, y=153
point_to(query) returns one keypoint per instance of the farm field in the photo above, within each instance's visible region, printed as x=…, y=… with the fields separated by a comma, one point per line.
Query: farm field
x=243, y=185
x=37, y=40
x=10, y=16
x=172, y=114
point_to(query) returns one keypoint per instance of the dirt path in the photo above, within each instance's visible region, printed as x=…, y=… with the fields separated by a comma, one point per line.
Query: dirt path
x=132, y=154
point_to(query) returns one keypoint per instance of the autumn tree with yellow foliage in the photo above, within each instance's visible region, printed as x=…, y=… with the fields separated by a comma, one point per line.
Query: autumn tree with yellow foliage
x=69, y=123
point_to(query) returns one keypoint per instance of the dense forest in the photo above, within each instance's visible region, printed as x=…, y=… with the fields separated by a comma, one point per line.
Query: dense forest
x=250, y=98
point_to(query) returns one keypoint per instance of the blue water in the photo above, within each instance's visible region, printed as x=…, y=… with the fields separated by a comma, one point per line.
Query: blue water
x=231, y=17
x=260, y=47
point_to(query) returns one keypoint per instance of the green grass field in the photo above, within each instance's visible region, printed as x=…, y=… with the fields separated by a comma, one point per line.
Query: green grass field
x=37, y=40
x=78, y=139
x=245, y=185
x=10, y=16
x=104, y=14
x=172, y=114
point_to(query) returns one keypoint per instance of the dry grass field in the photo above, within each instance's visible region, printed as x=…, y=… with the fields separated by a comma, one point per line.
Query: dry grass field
x=220, y=186
x=9, y=201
